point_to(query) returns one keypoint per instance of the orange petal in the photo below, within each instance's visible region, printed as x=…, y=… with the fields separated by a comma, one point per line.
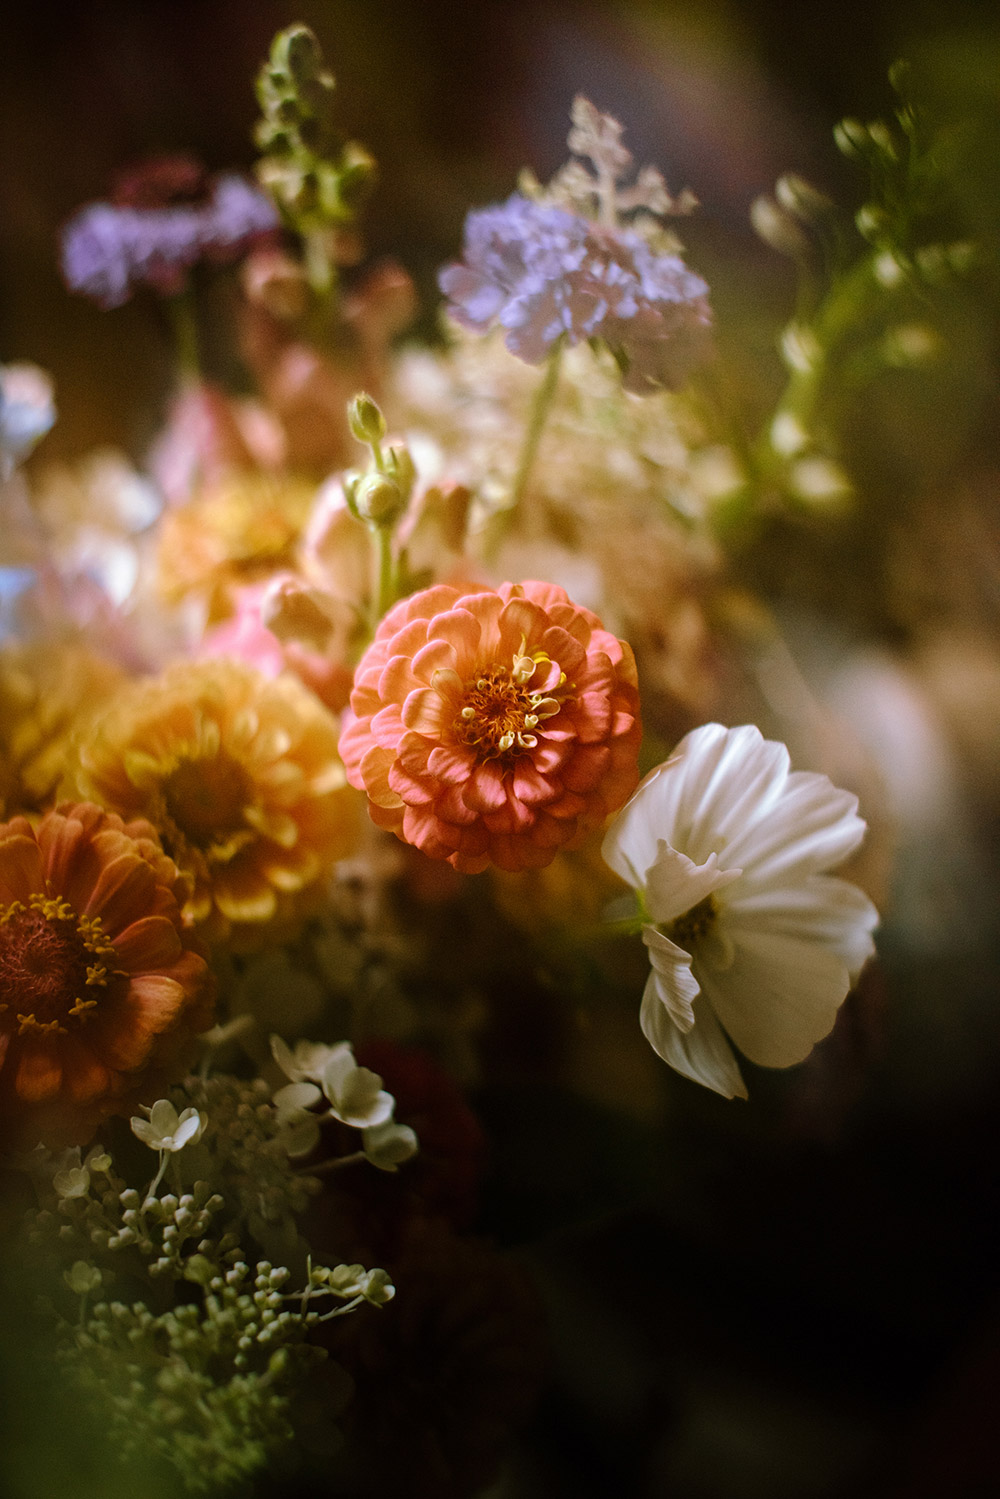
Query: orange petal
x=151, y=942
x=39, y=1071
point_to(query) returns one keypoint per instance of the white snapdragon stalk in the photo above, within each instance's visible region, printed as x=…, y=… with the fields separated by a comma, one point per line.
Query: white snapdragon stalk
x=748, y=936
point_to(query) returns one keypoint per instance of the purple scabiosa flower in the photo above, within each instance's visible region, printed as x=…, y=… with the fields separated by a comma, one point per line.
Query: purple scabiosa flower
x=544, y=274
x=109, y=249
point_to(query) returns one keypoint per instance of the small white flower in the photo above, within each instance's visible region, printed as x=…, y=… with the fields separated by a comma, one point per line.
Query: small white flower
x=300, y=1126
x=747, y=935
x=73, y=1178
x=82, y=1278
x=307, y=1063
x=355, y=1094
x=348, y=1281
x=388, y=1145
x=165, y=1129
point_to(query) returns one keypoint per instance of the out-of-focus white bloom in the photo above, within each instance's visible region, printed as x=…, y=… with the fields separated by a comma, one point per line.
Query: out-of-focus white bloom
x=165, y=1129
x=747, y=935
x=82, y=1278
x=355, y=1094
x=388, y=1145
x=72, y=1179
x=348, y=1281
x=27, y=412
x=307, y=1063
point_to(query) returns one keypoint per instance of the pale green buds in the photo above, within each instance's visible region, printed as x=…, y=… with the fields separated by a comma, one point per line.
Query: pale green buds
x=872, y=222
x=799, y=197
x=378, y=499
x=366, y=420
x=778, y=228
x=851, y=138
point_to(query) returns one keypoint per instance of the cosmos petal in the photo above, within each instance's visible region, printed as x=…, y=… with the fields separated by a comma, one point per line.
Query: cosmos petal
x=779, y=997
x=702, y=1054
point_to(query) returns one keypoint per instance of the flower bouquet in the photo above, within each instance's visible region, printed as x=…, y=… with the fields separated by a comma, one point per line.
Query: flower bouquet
x=363, y=759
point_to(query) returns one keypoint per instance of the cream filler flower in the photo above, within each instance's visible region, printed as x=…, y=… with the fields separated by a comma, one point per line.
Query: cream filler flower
x=749, y=938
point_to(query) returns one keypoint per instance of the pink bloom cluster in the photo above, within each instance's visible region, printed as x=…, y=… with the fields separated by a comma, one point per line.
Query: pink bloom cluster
x=492, y=726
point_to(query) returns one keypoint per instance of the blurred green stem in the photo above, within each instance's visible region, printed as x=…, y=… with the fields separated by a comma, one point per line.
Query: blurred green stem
x=184, y=319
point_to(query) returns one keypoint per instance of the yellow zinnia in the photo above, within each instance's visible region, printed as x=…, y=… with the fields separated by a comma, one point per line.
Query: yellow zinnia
x=240, y=775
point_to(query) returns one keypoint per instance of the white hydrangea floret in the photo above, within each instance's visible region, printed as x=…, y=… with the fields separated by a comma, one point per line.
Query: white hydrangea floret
x=750, y=940
x=388, y=1144
x=307, y=1063
x=165, y=1129
x=72, y=1178
x=355, y=1094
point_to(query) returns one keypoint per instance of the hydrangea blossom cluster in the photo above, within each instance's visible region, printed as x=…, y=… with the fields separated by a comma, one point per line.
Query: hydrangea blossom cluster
x=209, y=1384
x=109, y=250
x=544, y=274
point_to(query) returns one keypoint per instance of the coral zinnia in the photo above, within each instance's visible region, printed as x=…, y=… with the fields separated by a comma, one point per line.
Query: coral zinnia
x=101, y=988
x=493, y=725
x=240, y=775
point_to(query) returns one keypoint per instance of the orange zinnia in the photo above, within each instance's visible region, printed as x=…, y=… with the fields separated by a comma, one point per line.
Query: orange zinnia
x=101, y=988
x=493, y=725
x=239, y=774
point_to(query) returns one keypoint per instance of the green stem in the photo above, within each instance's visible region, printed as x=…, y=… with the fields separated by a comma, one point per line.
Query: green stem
x=321, y=274
x=184, y=318
x=537, y=417
x=384, y=591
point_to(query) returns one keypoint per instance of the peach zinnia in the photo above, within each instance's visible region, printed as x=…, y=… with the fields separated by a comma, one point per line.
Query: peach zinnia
x=493, y=725
x=239, y=774
x=101, y=986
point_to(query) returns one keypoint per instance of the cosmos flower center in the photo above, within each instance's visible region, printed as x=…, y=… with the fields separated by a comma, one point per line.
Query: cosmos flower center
x=205, y=799
x=54, y=965
x=501, y=710
x=689, y=928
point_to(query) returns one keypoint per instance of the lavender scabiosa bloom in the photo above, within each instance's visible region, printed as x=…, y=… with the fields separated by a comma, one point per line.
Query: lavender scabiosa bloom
x=544, y=274
x=108, y=250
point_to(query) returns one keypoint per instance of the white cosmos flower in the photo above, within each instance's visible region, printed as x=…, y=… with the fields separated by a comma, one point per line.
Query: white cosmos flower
x=748, y=936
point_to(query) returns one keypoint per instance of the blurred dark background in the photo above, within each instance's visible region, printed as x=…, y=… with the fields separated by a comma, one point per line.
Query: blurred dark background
x=796, y=1298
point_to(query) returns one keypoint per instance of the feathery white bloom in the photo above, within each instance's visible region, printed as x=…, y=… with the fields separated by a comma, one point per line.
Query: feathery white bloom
x=747, y=935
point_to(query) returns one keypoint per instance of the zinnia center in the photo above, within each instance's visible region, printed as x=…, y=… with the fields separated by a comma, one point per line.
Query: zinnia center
x=691, y=926
x=205, y=798
x=500, y=711
x=53, y=965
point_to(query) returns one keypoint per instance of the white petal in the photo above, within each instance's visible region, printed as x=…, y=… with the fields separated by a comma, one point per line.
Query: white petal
x=675, y=883
x=780, y=996
x=677, y=986
x=387, y=1145
x=144, y=1131
x=295, y=1096
x=340, y=1064
x=717, y=782
x=189, y=1128
x=704, y=1055
x=163, y=1118
x=821, y=909
x=813, y=827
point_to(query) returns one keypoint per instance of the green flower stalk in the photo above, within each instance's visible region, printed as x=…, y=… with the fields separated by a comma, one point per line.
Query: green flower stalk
x=319, y=180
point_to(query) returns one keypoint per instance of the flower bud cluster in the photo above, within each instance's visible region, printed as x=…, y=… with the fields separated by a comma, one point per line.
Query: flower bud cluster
x=318, y=180
x=380, y=495
x=210, y=1383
